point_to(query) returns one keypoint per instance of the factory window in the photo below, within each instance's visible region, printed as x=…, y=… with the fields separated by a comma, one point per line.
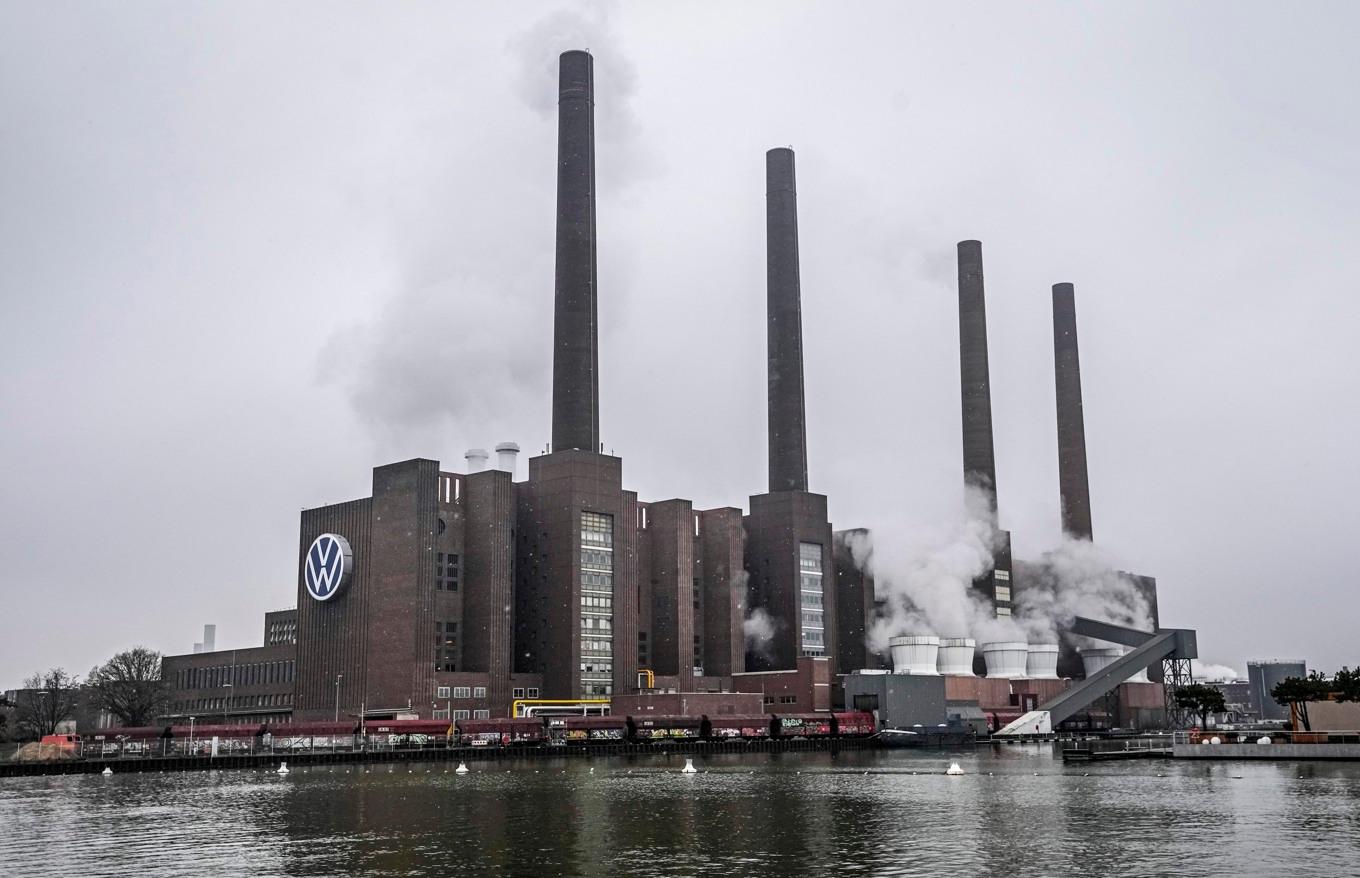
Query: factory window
x=1003, y=611
x=442, y=692
x=788, y=699
x=462, y=714
x=479, y=692
x=446, y=646
x=698, y=651
x=810, y=595
x=517, y=693
x=446, y=572
x=533, y=692
x=481, y=714
x=1003, y=574
x=597, y=601
x=441, y=713
x=1003, y=592
x=462, y=692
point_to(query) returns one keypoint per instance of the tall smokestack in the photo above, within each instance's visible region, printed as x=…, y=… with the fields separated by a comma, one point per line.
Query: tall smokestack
x=979, y=459
x=576, y=390
x=788, y=433
x=1073, y=482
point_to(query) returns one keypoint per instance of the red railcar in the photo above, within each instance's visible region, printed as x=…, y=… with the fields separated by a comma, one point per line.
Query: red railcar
x=308, y=736
x=659, y=728
x=854, y=724
x=411, y=732
x=585, y=729
x=804, y=725
x=747, y=727
x=504, y=731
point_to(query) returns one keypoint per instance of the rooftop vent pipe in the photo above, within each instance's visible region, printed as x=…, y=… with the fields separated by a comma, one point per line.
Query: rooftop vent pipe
x=1005, y=659
x=476, y=459
x=915, y=654
x=506, y=455
x=956, y=656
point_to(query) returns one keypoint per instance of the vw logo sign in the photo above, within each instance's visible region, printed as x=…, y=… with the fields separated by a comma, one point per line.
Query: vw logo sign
x=329, y=564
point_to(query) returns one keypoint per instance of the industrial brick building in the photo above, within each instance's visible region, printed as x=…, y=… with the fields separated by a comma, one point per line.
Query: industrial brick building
x=453, y=594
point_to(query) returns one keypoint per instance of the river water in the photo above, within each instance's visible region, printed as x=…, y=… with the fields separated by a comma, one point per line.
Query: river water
x=1018, y=810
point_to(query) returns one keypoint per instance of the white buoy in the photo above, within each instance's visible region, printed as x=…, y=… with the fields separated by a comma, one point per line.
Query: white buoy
x=689, y=767
x=1215, y=740
x=107, y=772
x=461, y=769
x=953, y=769
x=283, y=768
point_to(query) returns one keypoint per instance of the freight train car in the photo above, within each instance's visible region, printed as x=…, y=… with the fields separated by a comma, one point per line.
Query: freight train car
x=663, y=728
x=587, y=729
x=750, y=728
x=503, y=732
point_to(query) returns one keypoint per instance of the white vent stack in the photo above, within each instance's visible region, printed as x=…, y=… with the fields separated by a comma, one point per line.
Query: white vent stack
x=1093, y=660
x=209, y=638
x=1005, y=659
x=956, y=656
x=476, y=459
x=1042, y=661
x=507, y=453
x=915, y=654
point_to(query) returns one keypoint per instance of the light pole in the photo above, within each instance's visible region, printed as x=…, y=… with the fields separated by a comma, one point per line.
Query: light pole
x=191, y=734
x=337, y=696
x=226, y=702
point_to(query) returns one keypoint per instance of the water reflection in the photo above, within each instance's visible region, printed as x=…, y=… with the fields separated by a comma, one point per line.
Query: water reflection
x=871, y=813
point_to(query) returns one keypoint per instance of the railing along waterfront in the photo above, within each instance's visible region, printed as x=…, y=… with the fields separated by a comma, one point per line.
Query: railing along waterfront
x=1266, y=737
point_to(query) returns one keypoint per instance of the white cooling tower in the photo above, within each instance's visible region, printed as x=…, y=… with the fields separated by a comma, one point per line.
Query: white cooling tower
x=1092, y=660
x=1005, y=659
x=914, y=653
x=956, y=656
x=1042, y=661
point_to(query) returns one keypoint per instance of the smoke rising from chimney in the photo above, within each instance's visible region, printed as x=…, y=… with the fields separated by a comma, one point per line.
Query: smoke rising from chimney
x=924, y=578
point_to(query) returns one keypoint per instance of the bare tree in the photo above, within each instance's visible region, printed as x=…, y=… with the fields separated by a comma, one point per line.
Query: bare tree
x=46, y=701
x=129, y=686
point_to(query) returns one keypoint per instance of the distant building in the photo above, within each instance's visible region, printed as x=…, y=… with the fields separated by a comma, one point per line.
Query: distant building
x=1262, y=676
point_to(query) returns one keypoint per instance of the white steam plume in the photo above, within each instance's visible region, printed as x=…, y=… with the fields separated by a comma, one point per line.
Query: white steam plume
x=1077, y=578
x=1206, y=672
x=759, y=628
x=923, y=578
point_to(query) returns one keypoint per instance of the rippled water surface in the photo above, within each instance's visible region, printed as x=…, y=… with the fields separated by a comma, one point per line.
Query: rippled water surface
x=1017, y=811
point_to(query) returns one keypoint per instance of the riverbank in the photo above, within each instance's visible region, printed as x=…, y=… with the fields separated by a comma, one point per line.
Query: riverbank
x=157, y=764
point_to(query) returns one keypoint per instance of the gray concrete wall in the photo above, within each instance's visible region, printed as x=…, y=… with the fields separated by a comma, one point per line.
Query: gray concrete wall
x=1267, y=751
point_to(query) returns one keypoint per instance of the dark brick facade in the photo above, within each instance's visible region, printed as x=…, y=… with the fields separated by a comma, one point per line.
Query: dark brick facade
x=778, y=523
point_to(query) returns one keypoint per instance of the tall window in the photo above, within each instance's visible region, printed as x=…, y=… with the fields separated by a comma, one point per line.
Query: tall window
x=810, y=595
x=446, y=572
x=597, y=604
x=446, y=646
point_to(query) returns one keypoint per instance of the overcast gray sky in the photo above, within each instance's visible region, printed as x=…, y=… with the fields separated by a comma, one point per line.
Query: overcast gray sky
x=249, y=251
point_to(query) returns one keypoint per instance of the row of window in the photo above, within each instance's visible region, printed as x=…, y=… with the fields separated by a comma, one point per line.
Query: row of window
x=249, y=674
x=598, y=646
x=532, y=692
x=599, y=603
x=233, y=702
x=782, y=699
x=443, y=713
x=460, y=692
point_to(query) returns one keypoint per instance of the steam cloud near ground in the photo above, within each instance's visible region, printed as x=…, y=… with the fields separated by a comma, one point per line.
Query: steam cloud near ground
x=924, y=577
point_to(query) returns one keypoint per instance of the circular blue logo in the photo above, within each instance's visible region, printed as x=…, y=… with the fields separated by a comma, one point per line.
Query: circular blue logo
x=328, y=566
